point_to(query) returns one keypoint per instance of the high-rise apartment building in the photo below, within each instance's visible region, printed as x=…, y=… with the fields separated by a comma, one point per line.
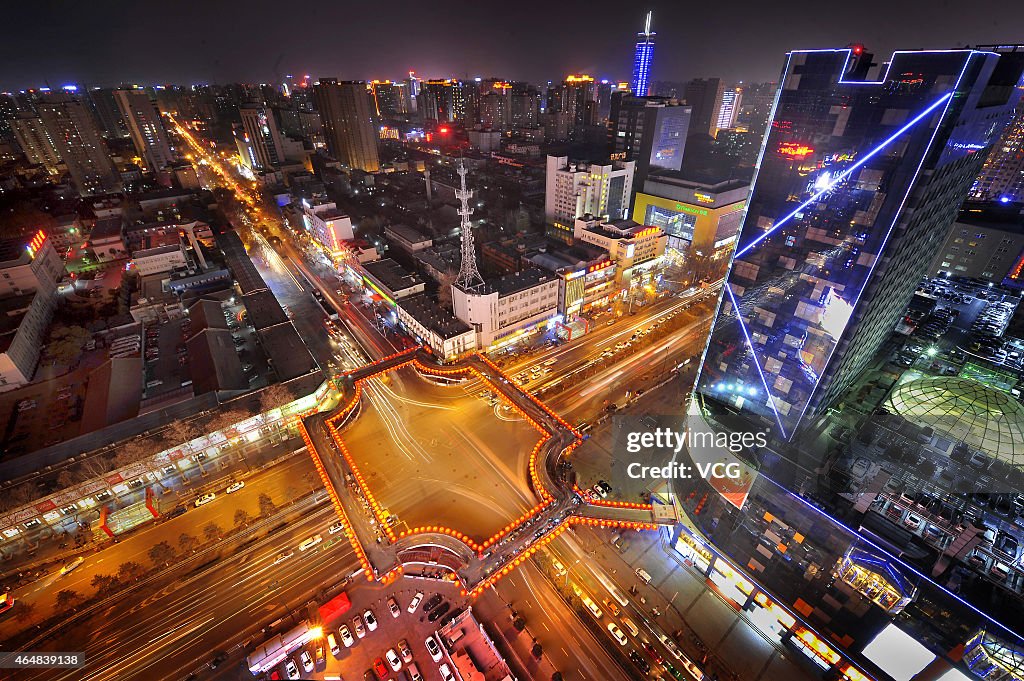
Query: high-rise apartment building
x=389, y=98
x=35, y=141
x=107, y=112
x=704, y=95
x=145, y=127
x=575, y=188
x=643, y=59
x=264, y=147
x=524, y=104
x=344, y=108
x=76, y=137
x=575, y=100
x=858, y=183
x=648, y=130
x=1002, y=176
x=729, y=109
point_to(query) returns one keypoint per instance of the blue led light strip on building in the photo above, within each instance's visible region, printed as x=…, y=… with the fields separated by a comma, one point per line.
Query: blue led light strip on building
x=753, y=352
x=846, y=173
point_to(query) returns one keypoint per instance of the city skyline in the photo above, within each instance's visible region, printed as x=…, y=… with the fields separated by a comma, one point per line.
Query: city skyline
x=229, y=46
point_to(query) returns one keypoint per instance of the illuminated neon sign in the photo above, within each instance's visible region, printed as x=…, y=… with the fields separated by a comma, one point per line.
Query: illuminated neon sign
x=703, y=198
x=37, y=242
x=795, y=150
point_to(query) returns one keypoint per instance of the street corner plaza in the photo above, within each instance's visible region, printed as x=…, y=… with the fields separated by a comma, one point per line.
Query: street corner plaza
x=456, y=450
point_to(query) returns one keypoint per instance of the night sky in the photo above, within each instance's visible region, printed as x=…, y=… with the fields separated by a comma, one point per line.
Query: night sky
x=106, y=43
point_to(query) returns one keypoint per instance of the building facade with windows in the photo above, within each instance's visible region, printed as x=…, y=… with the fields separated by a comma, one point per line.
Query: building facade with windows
x=575, y=188
x=857, y=185
x=986, y=242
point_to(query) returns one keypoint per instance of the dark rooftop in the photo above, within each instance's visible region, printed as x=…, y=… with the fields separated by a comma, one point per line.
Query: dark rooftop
x=1008, y=217
x=242, y=268
x=263, y=308
x=286, y=351
x=393, y=276
x=437, y=319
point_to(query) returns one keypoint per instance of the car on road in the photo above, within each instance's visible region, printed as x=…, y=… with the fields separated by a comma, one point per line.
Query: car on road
x=357, y=624
x=405, y=650
x=205, y=499
x=291, y=670
x=307, y=661
x=393, y=660
x=439, y=612
x=283, y=556
x=433, y=648
x=310, y=542
x=234, y=487
x=336, y=527
x=346, y=636
x=380, y=669
x=393, y=607
x=71, y=566
x=653, y=652
x=617, y=634
x=638, y=660
x=432, y=602
x=446, y=673
x=371, y=621
x=415, y=602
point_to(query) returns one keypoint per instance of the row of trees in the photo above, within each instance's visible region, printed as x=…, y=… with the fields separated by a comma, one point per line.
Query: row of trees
x=160, y=555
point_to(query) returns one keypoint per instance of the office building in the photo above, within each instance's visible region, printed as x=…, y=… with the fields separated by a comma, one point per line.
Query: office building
x=701, y=220
x=503, y=309
x=145, y=128
x=631, y=246
x=576, y=100
x=648, y=130
x=732, y=99
x=29, y=272
x=986, y=242
x=76, y=137
x=389, y=98
x=344, y=108
x=1002, y=176
x=643, y=59
x=108, y=113
x=263, y=143
x=705, y=98
x=327, y=225
x=857, y=186
x=35, y=142
x=575, y=188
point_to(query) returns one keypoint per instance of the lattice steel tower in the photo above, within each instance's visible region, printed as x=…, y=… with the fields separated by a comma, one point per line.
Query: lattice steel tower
x=469, y=276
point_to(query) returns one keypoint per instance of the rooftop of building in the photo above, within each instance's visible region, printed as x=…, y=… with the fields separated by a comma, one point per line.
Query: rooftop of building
x=409, y=234
x=1006, y=217
x=263, y=309
x=391, y=275
x=157, y=250
x=214, y=363
x=13, y=249
x=206, y=313
x=434, y=317
x=519, y=281
x=242, y=268
x=684, y=180
x=615, y=229
x=107, y=228
x=288, y=354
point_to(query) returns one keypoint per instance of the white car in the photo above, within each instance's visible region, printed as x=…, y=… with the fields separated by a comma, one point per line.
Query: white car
x=291, y=670
x=205, y=499
x=357, y=624
x=617, y=634
x=332, y=643
x=405, y=651
x=371, y=621
x=310, y=542
x=393, y=607
x=307, y=661
x=234, y=487
x=415, y=602
x=71, y=566
x=336, y=527
x=446, y=673
x=346, y=636
x=433, y=649
x=393, y=660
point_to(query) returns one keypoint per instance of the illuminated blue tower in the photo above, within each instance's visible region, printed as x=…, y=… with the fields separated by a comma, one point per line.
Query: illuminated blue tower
x=856, y=187
x=642, y=60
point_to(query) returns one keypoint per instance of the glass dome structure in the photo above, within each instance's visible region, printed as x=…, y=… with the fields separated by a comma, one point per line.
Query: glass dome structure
x=983, y=418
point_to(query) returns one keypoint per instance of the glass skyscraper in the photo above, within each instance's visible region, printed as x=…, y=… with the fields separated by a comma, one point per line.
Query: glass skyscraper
x=857, y=184
x=642, y=60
